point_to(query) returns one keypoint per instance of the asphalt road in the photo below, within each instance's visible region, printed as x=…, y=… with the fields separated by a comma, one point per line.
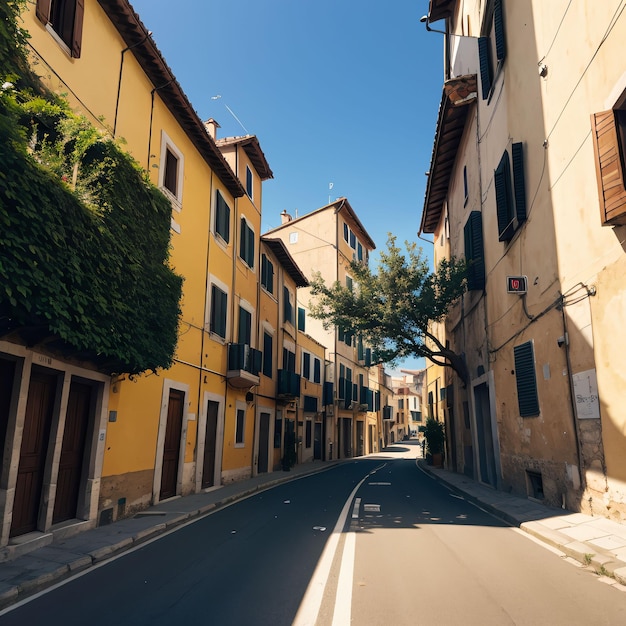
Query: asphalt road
x=374, y=541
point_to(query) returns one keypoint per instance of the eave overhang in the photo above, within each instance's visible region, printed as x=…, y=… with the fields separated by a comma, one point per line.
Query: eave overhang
x=252, y=148
x=458, y=94
x=145, y=50
x=286, y=260
x=440, y=9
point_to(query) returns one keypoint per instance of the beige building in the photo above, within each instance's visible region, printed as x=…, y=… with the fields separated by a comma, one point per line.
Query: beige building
x=326, y=241
x=527, y=183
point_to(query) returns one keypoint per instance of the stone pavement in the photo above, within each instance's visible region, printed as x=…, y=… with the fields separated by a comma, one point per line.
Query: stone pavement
x=596, y=542
x=593, y=541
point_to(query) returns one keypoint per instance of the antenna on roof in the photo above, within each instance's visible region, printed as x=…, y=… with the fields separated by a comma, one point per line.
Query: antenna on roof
x=330, y=186
x=217, y=97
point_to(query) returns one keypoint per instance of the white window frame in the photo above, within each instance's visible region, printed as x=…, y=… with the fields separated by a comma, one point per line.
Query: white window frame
x=175, y=199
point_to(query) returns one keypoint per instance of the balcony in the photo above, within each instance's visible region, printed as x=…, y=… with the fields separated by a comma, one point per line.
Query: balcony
x=244, y=365
x=288, y=387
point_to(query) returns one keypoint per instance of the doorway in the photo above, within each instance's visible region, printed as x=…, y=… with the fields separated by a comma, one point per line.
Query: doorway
x=210, y=444
x=171, y=447
x=484, y=433
x=264, y=443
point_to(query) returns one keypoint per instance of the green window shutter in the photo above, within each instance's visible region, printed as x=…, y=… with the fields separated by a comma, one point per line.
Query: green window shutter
x=349, y=283
x=359, y=349
x=306, y=365
x=317, y=371
x=474, y=251
x=498, y=26
x=301, y=318
x=268, y=354
x=519, y=182
x=504, y=198
x=526, y=380
x=245, y=326
x=246, y=243
x=368, y=357
x=218, y=311
x=484, y=60
x=222, y=218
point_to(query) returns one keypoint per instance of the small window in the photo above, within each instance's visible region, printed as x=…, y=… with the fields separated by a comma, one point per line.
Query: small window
x=359, y=252
x=219, y=304
x=246, y=243
x=267, y=274
x=306, y=365
x=492, y=50
x=268, y=353
x=65, y=19
x=249, y=182
x=301, y=319
x=288, y=312
x=609, y=142
x=289, y=360
x=240, y=426
x=526, y=379
x=352, y=240
x=317, y=370
x=222, y=217
x=346, y=232
x=510, y=188
x=171, y=171
x=170, y=177
x=474, y=251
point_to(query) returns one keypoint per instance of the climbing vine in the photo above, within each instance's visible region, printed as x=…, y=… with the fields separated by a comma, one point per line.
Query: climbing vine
x=84, y=236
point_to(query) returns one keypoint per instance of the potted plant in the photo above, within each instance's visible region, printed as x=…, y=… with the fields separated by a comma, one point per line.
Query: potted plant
x=435, y=441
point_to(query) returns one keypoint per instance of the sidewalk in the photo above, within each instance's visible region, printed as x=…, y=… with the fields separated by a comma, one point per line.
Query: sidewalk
x=596, y=542
x=46, y=566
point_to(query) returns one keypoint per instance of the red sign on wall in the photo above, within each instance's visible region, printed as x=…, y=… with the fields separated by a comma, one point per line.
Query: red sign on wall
x=516, y=284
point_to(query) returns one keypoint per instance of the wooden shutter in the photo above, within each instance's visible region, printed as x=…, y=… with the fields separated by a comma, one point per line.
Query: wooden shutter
x=519, y=182
x=245, y=326
x=498, y=27
x=317, y=371
x=218, y=311
x=77, y=35
x=42, y=10
x=222, y=218
x=504, y=198
x=474, y=251
x=526, y=380
x=301, y=319
x=609, y=172
x=484, y=58
x=268, y=350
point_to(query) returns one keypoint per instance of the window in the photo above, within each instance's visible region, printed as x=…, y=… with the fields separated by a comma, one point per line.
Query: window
x=317, y=370
x=222, y=217
x=219, y=303
x=246, y=243
x=268, y=350
x=352, y=240
x=301, y=318
x=346, y=232
x=65, y=18
x=474, y=251
x=349, y=283
x=306, y=365
x=171, y=171
x=492, y=50
x=245, y=326
x=401, y=403
x=609, y=142
x=345, y=335
x=249, y=182
x=287, y=305
x=510, y=193
x=289, y=360
x=240, y=425
x=525, y=377
x=267, y=274
x=359, y=252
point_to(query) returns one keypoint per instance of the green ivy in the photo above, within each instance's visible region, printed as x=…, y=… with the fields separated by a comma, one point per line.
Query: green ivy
x=84, y=236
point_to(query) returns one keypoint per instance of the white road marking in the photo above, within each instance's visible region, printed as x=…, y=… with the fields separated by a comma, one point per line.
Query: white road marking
x=355, y=508
x=371, y=508
x=343, y=600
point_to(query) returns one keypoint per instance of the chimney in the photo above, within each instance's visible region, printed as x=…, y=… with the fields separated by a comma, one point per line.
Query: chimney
x=285, y=217
x=211, y=128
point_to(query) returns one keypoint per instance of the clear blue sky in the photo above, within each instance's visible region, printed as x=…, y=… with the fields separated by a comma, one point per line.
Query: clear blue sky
x=336, y=91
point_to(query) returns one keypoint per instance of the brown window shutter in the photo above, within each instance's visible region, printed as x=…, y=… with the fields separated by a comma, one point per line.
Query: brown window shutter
x=611, y=191
x=78, y=28
x=43, y=10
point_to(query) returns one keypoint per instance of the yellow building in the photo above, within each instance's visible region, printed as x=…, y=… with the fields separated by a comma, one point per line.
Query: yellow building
x=534, y=198
x=325, y=241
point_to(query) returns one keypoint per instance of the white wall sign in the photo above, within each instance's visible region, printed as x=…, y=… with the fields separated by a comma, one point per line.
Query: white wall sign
x=586, y=395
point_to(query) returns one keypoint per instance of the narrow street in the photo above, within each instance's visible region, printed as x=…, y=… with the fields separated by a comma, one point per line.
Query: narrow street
x=410, y=552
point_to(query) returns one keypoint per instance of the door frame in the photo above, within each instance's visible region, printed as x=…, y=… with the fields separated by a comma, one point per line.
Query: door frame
x=169, y=384
x=219, y=440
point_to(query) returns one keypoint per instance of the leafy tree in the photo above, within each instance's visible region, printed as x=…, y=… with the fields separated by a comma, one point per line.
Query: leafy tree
x=392, y=309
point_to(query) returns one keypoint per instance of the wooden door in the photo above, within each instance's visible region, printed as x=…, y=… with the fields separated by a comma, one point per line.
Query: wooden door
x=35, y=440
x=264, y=442
x=171, y=447
x=210, y=444
x=72, y=452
